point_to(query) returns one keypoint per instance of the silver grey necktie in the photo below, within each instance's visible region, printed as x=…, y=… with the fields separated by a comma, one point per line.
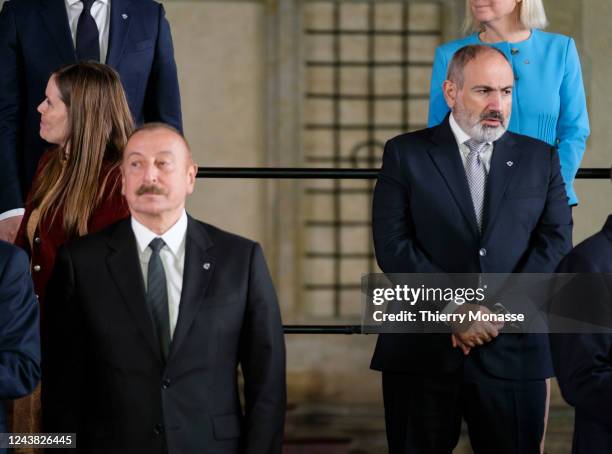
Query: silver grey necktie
x=477, y=177
x=157, y=296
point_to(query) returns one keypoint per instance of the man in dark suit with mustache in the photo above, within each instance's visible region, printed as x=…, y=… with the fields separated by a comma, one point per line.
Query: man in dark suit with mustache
x=147, y=322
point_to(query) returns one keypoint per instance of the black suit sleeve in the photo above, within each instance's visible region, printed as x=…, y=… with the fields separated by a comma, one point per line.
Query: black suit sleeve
x=11, y=94
x=583, y=361
x=397, y=249
x=63, y=350
x=19, y=329
x=551, y=239
x=262, y=358
x=162, y=98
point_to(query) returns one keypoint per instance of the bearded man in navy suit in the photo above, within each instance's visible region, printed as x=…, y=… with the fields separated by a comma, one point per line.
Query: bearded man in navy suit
x=467, y=196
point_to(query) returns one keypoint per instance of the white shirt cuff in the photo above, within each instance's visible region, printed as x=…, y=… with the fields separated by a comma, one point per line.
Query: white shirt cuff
x=12, y=213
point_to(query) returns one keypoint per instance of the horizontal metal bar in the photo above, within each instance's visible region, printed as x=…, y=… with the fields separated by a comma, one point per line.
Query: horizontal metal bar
x=286, y=172
x=337, y=224
x=330, y=287
x=362, y=127
x=594, y=173
x=338, y=255
x=369, y=64
x=372, y=32
x=322, y=329
x=337, y=174
x=370, y=97
x=338, y=191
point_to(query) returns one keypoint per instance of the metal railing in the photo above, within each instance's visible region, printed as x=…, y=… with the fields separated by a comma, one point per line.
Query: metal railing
x=331, y=173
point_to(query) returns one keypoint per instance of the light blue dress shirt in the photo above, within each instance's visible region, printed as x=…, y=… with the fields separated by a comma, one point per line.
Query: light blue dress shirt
x=548, y=101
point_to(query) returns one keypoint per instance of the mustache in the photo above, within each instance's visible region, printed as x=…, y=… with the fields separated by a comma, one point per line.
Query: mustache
x=150, y=189
x=493, y=115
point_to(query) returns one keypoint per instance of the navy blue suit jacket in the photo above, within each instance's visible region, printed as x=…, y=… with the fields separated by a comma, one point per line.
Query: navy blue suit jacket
x=19, y=329
x=35, y=40
x=583, y=362
x=424, y=222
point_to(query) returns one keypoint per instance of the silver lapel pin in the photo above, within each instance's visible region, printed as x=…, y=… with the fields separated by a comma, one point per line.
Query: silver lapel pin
x=509, y=163
x=124, y=16
x=206, y=266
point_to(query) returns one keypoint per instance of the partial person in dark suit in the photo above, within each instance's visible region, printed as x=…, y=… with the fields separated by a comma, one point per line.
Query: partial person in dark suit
x=39, y=36
x=148, y=320
x=467, y=196
x=583, y=361
x=19, y=331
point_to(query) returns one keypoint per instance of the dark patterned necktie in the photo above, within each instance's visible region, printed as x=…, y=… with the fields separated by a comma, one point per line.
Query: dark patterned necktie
x=477, y=177
x=87, y=35
x=157, y=296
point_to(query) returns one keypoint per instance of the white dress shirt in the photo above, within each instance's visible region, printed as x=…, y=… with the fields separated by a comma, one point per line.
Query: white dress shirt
x=100, y=11
x=461, y=137
x=172, y=256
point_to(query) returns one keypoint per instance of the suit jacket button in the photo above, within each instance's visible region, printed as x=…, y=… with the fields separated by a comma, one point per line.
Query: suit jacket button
x=166, y=384
x=482, y=252
x=158, y=429
x=36, y=268
x=37, y=240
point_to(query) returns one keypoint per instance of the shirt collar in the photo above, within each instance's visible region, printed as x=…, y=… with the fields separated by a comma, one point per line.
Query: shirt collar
x=173, y=237
x=460, y=135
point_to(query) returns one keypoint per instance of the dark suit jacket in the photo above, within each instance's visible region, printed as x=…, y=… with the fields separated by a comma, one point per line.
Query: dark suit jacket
x=19, y=330
x=424, y=222
x=105, y=378
x=583, y=362
x=35, y=40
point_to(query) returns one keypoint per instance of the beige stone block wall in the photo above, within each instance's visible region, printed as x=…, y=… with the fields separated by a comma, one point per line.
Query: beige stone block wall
x=220, y=53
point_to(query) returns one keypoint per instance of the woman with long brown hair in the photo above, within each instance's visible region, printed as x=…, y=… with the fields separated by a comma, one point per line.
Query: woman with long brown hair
x=77, y=187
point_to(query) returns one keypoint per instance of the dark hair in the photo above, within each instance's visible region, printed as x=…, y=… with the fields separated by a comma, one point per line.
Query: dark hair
x=465, y=55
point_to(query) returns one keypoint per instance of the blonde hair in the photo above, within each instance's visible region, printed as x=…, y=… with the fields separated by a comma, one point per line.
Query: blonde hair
x=531, y=15
x=99, y=124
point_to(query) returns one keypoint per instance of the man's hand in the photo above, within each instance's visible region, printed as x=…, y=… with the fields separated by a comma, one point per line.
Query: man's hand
x=457, y=343
x=475, y=333
x=9, y=228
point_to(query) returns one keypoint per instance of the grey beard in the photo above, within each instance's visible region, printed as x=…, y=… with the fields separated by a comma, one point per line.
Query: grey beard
x=482, y=133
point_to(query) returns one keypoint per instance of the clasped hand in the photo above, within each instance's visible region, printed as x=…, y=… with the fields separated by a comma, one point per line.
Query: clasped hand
x=474, y=333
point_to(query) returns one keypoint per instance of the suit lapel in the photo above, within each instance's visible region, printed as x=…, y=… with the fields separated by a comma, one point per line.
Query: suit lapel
x=119, y=27
x=124, y=267
x=504, y=162
x=199, y=267
x=445, y=155
x=55, y=18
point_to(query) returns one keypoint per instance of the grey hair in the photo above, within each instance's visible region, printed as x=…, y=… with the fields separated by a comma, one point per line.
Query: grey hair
x=465, y=55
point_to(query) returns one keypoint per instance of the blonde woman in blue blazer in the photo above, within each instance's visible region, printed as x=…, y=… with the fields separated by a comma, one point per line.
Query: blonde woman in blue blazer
x=548, y=100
